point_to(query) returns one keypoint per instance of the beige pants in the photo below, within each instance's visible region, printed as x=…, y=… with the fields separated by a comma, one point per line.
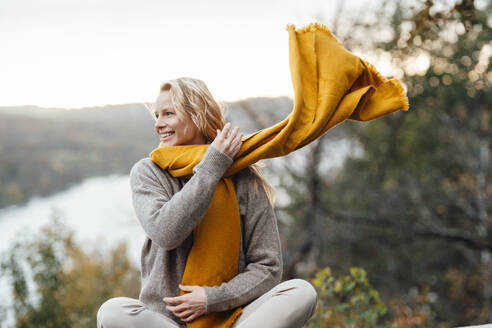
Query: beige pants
x=289, y=304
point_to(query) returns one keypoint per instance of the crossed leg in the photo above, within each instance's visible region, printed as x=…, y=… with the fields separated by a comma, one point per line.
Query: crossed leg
x=290, y=304
x=126, y=312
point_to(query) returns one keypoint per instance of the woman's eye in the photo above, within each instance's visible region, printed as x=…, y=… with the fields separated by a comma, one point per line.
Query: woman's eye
x=163, y=113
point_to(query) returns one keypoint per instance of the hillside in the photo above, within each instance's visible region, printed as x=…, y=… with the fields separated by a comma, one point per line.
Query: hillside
x=45, y=150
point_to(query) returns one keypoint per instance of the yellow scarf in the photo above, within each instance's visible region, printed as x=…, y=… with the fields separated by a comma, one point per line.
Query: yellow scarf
x=330, y=86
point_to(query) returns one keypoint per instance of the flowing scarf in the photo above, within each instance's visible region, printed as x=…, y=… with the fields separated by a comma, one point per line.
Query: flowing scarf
x=330, y=85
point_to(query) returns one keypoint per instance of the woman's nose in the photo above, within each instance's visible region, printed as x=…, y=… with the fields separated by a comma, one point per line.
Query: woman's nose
x=159, y=123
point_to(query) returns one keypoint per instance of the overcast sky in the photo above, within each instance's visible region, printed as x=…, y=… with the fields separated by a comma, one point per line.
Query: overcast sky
x=74, y=53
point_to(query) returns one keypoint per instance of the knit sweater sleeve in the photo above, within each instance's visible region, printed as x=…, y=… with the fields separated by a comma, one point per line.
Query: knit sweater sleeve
x=168, y=218
x=263, y=258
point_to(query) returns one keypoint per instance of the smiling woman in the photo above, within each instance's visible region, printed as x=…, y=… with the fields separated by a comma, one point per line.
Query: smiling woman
x=207, y=261
x=212, y=255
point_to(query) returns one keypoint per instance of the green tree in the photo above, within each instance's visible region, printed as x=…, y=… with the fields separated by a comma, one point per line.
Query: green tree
x=68, y=284
x=414, y=207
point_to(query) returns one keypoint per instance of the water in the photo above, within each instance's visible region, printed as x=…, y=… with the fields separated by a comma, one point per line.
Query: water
x=98, y=210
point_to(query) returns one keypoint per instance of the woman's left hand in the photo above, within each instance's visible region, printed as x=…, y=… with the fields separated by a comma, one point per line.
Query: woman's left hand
x=189, y=306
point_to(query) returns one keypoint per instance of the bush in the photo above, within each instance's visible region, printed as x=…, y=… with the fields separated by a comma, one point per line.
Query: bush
x=56, y=284
x=347, y=301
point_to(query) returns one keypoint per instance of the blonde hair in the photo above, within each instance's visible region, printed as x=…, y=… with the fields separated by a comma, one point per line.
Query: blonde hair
x=191, y=97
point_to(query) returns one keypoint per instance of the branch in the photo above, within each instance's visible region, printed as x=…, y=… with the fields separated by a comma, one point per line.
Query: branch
x=452, y=235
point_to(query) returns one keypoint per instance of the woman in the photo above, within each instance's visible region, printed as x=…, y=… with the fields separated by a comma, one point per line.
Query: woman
x=169, y=208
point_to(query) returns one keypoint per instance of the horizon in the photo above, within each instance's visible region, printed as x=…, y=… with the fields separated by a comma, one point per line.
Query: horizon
x=125, y=104
x=90, y=54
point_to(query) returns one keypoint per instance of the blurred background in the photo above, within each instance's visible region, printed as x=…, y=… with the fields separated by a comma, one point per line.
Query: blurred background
x=389, y=219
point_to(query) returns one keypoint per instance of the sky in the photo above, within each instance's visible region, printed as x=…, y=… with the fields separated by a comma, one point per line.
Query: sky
x=75, y=53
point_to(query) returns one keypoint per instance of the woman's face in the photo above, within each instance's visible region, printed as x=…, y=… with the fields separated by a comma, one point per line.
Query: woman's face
x=174, y=130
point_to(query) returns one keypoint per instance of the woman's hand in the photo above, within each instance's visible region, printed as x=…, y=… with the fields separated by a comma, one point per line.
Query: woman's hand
x=228, y=142
x=189, y=306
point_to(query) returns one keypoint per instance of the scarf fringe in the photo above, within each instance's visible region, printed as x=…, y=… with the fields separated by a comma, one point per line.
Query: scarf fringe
x=403, y=96
x=401, y=90
x=312, y=27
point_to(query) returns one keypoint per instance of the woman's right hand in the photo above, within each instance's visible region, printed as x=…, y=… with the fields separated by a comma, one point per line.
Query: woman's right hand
x=227, y=141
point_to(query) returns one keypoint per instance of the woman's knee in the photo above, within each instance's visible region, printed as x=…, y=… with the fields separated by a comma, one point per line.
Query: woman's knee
x=109, y=312
x=306, y=295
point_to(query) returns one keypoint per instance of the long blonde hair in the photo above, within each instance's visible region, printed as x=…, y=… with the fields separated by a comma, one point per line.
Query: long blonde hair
x=191, y=97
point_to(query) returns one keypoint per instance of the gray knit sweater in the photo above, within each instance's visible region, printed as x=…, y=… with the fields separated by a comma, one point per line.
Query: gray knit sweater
x=169, y=208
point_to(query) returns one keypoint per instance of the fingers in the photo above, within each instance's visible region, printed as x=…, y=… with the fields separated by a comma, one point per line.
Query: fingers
x=228, y=140
x=179, y=299
x=174, y=300
x=229, y=136
x=179, y=308
x=224, y=133
x=186, y=288
x=188, y=314
x=233, y=135
x=179, y=302
x=189, y=306
x=190, y=318
x=225, y=130
x=236, y=144
x=185, y=314
x=184, y=311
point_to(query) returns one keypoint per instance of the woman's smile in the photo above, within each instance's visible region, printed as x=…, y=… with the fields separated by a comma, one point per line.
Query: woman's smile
x=165, y=135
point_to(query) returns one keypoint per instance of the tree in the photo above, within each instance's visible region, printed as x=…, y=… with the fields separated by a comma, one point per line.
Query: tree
x=414, y=209
x=57, y=284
